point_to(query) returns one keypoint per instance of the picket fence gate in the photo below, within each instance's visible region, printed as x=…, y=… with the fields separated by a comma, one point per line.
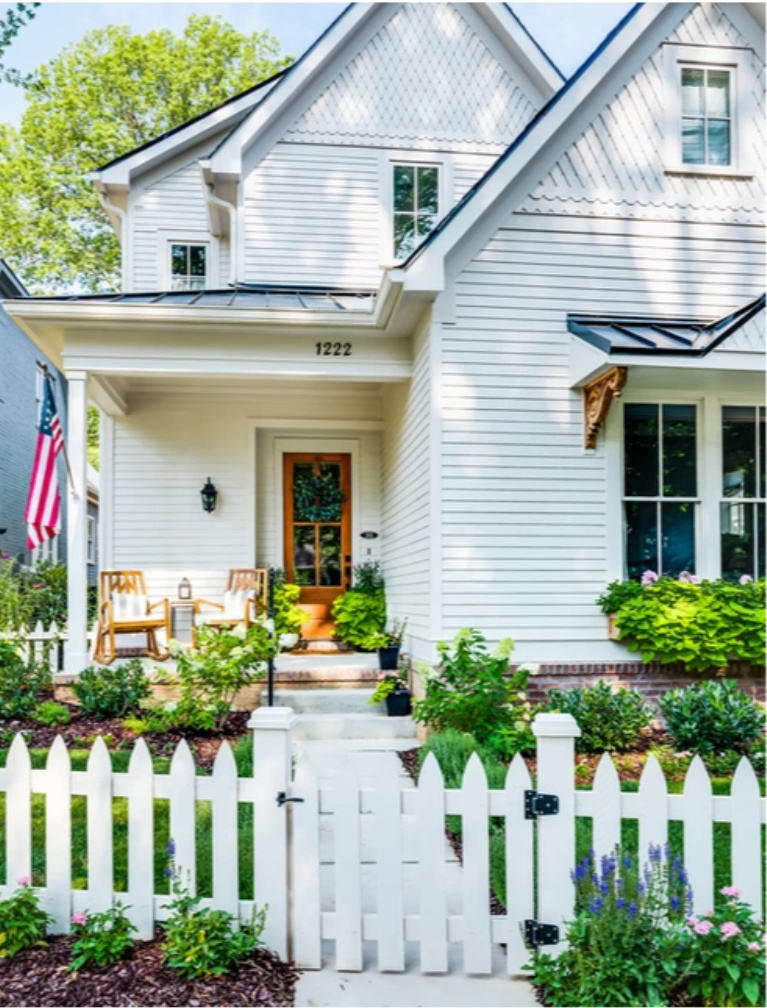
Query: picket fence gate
x=368, y=836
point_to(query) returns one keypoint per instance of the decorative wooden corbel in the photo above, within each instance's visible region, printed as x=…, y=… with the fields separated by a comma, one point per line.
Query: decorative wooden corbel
x=597, y=399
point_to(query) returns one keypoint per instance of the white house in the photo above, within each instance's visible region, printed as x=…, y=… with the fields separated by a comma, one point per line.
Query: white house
x=420, y=263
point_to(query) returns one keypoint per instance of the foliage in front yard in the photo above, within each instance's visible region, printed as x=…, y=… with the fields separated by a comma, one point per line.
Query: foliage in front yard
x=23, y=921
x=609, y=720
x=288, y=617
x=23, y=684
x=699, y=624
x=712, y=717
x=109, y=691
x=51, y=714
x=359, y=616
x=101, y=939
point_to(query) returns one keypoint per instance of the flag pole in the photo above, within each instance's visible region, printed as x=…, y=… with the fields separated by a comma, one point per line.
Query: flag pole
x=49, y=378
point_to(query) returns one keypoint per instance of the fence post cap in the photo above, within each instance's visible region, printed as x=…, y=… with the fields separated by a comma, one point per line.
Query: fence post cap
x=272, y=719
x=555, y=726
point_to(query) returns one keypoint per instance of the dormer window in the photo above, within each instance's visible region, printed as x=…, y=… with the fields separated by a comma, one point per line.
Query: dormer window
x=706, y=116
x=188, y=266
x=416, y=205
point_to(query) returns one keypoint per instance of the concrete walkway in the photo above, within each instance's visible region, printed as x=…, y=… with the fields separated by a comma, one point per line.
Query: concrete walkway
x=332, y=989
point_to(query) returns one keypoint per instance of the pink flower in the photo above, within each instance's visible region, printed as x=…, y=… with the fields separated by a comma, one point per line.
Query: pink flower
x=754, y=947
x=744, y=579
x=729, y=929
x=691, y=578
x=703, y=927
x=692, y=921
x=24, y=880
x=731, y=890
x=80, y=918
x=648, y=578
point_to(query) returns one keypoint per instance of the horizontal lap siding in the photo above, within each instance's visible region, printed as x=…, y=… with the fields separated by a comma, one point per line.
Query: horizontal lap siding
x=406, y=507
x=523, y=513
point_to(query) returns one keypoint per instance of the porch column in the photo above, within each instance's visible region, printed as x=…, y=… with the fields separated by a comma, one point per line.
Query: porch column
x=76, y=654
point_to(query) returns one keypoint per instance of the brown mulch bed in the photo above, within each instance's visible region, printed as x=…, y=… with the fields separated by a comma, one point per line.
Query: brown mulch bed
x=39, y=977
x=83, y=729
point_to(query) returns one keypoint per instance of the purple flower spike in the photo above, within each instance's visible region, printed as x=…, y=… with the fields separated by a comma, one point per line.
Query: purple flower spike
x=171, y=848
x=632, y=910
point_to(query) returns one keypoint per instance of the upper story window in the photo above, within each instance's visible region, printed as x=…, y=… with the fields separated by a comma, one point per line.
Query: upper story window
x=706, y=116
x=188, y=266
x=742, y=505
x=416, y=205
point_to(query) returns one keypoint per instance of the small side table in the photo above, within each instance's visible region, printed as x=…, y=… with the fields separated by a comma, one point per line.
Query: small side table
x=182, y=620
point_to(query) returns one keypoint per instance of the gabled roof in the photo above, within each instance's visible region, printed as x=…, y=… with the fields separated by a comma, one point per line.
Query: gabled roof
x=642, y=334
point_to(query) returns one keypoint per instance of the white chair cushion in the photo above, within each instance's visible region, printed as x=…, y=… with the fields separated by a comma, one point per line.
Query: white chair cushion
x=234, y=603
x=128, y=607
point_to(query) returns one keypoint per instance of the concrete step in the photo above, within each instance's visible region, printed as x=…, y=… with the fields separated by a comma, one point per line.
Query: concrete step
x=326, y=701
x=352, y=726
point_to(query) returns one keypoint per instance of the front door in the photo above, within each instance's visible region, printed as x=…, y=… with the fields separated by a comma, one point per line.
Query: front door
x=317, y=496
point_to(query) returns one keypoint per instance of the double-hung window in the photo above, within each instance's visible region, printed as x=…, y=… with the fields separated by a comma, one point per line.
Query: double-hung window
x=415, y=205
x=706, y=116
x=660, y=487
x=742, y=507
x=188, y=266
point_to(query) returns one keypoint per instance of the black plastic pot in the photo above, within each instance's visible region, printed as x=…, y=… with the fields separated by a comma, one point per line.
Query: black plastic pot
x=388, y=658
x=398, y=703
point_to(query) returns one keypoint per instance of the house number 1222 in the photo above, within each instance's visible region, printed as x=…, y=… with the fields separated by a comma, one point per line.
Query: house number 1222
x=334, y=349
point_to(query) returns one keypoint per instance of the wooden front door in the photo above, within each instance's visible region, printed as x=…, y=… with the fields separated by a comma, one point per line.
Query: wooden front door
x=317, y=500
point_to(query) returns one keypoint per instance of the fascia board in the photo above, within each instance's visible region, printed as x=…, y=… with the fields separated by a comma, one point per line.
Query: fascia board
x=477, y=218
x=541, y=72
x=227, y=160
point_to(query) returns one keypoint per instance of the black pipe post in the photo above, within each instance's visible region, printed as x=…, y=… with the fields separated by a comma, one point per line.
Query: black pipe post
x=270, y=615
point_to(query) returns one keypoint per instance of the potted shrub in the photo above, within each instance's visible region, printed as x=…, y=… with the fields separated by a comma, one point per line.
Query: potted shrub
x=388, y=644
x=393, y=690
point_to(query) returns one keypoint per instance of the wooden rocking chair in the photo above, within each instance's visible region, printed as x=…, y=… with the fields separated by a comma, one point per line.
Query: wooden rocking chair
x=124, y=608
x=245, y=599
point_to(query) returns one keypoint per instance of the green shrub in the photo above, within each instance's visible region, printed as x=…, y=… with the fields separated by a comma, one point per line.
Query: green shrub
x=111, y=691
x=616, y=594
x=471, y=689
x=712, y=717
x=452, y=749
x=101, y=939
x=51, y=714
x=359, y=615
x=700, y=625
x=23, y=922
x=23, y=684
x=611, y=720
x=368, y=578
x=288, y=617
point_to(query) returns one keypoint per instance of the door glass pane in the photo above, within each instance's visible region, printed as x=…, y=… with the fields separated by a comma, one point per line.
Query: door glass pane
x=693, y=146
x=641, y=537
x=737, y=539
x=303, y=497
x=404, y=235
x=678, y=525
x=428, y=190
x=304, y=554
x=718, y=93
x=330, y=502
x=718, y=141
x=404, y=187
x=330, y=555
x=739, y=451
x=692, y=91
x=641, y=449
x=679, y=463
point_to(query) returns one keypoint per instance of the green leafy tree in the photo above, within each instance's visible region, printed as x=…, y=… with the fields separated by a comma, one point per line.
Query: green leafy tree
x=11, y=23
x=98, y=99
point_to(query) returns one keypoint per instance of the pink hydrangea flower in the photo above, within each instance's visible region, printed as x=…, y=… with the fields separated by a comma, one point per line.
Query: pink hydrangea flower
x=80, y=918
x=648, y=578
x=703, y=927
x=744, y=579
x=754, y=947
x=732, y=891
x=729, y=929
x=691, y=578
x=24, y=880
x=692, y=921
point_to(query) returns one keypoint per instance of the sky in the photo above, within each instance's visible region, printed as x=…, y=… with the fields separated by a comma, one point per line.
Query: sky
x=568, y=31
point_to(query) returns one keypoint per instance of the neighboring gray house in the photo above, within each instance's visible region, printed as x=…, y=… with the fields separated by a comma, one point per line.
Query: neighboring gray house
x=20, y=390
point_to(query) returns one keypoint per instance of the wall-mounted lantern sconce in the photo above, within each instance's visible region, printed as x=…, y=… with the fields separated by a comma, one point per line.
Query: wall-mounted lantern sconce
x=185, y=589
x=209, y=495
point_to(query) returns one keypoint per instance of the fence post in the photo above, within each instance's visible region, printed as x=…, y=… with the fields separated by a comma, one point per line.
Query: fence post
x=271, y=768
x=555, y=756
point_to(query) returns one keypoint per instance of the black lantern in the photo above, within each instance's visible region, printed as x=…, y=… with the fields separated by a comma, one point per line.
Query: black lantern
x=209, y=494
x=185, y=589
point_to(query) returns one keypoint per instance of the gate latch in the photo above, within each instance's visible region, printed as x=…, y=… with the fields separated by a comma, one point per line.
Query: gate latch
x=282, y=799
x=537, y=804
x=537, y=934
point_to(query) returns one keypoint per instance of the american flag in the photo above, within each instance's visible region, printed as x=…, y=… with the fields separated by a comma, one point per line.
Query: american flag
x=43, y=514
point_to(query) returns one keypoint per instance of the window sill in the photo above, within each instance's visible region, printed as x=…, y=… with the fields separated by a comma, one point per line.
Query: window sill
x=710, y=171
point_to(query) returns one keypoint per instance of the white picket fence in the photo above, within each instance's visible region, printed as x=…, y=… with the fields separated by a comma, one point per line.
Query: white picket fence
x=45, y=645
x=385, y=844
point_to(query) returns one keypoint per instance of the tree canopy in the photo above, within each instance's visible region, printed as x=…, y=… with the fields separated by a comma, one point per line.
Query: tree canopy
x=11, y=23
x=99, y=98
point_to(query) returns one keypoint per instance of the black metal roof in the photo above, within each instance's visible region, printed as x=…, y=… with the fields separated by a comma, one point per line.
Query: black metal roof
x=643, y=334
x=307, y=298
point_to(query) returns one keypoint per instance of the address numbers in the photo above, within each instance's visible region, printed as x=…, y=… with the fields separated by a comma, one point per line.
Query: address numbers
x=327, y=349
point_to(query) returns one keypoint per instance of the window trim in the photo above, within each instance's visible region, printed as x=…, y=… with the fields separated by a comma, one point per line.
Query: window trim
x=167, y=237
x=90, y=539
x=417, y=159
x=736, y=61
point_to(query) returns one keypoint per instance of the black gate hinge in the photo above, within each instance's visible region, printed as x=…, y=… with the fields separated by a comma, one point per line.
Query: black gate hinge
x=537, y=934
x=537, y=804
x=282, y=799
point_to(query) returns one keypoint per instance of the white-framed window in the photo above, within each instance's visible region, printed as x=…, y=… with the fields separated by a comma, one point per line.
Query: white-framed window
x=415, y=204
x=742, y=504
x=189, y=265
x=91, y=540
x=707, y=106
x=660, y=487
x=47, y=550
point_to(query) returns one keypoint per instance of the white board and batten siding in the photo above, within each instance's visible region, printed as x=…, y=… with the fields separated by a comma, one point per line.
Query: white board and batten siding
x=170, y=443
